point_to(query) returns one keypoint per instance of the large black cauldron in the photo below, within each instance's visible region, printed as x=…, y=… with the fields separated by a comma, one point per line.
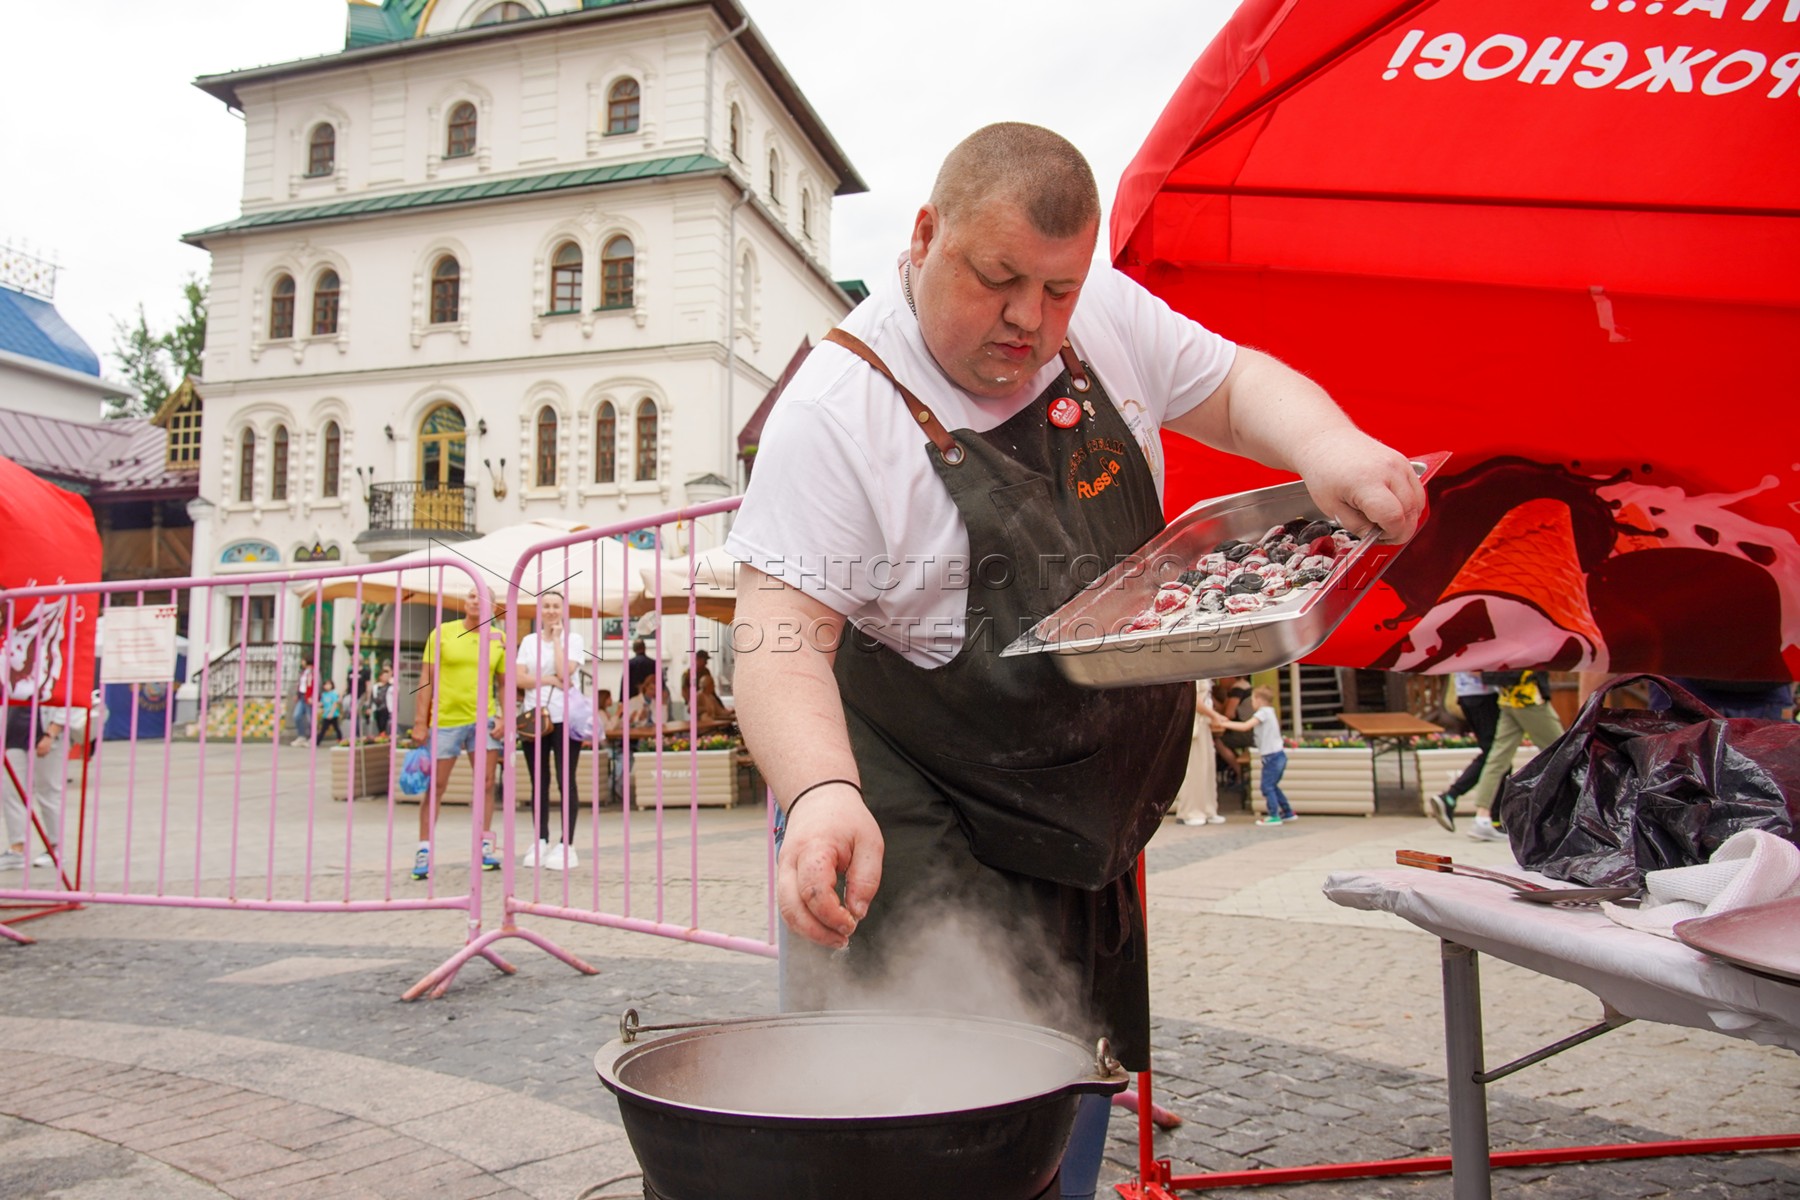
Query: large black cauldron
x=870, y=1105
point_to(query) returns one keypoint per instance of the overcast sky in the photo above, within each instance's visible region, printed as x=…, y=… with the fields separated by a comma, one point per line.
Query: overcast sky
x=111, y=154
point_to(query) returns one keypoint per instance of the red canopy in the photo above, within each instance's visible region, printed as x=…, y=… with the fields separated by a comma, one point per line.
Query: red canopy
x=1557, y=238
x=48, y=641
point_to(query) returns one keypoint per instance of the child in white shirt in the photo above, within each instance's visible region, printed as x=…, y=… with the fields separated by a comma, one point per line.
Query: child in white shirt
x=1267, y=727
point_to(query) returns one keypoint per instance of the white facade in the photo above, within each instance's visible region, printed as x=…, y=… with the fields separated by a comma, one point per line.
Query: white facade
x=728, y=257
x=47, y=390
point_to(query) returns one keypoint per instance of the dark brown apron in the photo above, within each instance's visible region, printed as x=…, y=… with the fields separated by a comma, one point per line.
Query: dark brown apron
x=998, y=784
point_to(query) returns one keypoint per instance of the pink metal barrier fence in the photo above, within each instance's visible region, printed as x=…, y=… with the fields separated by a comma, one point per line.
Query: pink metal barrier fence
x=227, y=822
x=625, y=886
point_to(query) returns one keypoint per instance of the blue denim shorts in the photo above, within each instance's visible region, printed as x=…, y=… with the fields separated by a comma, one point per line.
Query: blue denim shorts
x=453, y=740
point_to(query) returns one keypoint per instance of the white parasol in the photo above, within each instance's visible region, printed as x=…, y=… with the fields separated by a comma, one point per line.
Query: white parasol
x=593, y=575
x=713, y=584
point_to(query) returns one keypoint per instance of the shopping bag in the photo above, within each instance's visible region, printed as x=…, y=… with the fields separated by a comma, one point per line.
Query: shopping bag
x=1625, y=791
x=415, y=772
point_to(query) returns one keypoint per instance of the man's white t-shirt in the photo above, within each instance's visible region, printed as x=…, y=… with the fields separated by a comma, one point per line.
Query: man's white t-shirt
x=539, y=654
x=845, y=504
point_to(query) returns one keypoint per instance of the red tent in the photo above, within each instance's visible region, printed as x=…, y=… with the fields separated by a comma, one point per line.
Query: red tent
x=48, y=641
x=1557, y=238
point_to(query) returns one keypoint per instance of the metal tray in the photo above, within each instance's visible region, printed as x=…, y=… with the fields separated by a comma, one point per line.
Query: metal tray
x=1088, y=637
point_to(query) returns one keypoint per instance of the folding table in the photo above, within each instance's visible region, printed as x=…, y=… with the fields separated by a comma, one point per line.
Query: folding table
x=1636, y=975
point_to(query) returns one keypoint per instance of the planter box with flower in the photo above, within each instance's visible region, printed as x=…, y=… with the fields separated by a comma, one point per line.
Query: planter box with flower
x=714, y=764
x=1442, y=758
x=1325, y=775
x=360, y=770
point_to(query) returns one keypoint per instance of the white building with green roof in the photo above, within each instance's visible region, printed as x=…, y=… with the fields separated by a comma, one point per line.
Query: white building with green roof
x=500, y=261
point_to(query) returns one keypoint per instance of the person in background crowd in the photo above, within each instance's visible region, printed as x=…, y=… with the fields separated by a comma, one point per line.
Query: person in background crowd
x=1266, y=726
x=1235, y=690
x=41, y=764
x=1197, y=803
x=547, y=661
x=708, y=708
x=640, y=668
x=1481, y=709
x=1524, y=712
x=1763, y=700
x=449, y=681
x=382, y=700
x=305, y=689
x=330, y=714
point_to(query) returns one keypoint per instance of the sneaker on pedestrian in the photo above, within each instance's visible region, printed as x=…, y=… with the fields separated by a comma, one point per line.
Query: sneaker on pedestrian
x=1270, y=821
x=42, y=860
x=530, y=857
x=300, y=741
x=1442, y=809
x=1290, y=816
x=490, y=861
x=422, y=864
x=12, y=860
x=1191, y=820
x=1215, y=819
x=1484, y=831
x=561, y=858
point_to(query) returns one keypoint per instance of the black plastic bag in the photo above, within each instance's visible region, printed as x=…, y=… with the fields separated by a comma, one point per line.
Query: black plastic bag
x=1626, y=791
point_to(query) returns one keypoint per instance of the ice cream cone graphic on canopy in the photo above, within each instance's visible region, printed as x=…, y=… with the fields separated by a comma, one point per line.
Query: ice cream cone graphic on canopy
x=1530, y=556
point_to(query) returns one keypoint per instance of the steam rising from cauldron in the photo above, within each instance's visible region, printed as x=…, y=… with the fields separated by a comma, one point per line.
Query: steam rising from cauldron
x=946, y=951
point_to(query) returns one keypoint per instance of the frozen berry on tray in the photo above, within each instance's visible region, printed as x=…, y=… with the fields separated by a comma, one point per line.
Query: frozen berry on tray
x=1247, y=602
x=1316, y=529
x=1244, y=584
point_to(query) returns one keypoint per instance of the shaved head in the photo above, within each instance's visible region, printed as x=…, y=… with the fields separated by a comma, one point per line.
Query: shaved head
x=1039, y=172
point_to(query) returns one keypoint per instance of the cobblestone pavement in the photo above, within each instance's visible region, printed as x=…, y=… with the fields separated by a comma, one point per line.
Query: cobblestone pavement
x=188, y=1053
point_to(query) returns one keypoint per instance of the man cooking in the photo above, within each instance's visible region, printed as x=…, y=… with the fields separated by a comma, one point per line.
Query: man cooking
x=981, y=436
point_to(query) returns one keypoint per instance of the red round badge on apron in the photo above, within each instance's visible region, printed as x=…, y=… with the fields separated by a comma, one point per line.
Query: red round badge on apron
x=1064, y=413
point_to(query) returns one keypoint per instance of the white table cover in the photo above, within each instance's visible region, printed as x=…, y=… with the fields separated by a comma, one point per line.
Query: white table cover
x=1635, y=974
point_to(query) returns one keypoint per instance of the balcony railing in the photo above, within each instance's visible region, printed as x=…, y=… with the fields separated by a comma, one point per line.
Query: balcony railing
x=260, y=663
x=415, y=507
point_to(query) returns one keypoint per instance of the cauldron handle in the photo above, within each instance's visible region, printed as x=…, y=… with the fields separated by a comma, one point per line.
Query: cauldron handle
x=1104, y=1063
x=629, y=1027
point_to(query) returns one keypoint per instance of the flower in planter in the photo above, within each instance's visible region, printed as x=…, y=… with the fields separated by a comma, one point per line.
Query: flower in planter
x=1347, y=741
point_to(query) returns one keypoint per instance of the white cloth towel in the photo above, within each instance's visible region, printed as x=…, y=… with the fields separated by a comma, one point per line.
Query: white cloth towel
x=1752, y=867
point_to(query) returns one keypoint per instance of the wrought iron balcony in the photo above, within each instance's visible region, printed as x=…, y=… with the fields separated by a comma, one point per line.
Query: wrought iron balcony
x=414, y=508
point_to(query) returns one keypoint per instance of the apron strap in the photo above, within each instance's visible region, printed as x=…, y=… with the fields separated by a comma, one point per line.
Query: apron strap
x=1078, y=378
x=934, y=429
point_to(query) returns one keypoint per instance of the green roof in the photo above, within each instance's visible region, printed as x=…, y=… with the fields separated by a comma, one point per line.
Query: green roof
x=468, y=193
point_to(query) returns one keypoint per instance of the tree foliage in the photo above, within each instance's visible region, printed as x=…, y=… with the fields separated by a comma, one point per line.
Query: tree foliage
x=155, y=363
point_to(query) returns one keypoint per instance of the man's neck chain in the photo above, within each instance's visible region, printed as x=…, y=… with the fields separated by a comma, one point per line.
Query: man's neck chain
x=906, y=287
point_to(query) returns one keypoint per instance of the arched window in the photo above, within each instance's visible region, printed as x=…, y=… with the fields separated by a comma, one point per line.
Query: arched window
x=331, y=459
x=444, y=453
x=565, y=278
x=446, y=291
x=736, y=127
x=321, y=150
x=278, y=465
x=461, y=140
x=805, y=212
x=606, y=444
x=247, y=467
x=774, y=178
x=281, y=307
x=646, y=439
x=622, y=107
x=546, y=447
x=510, y=11
x=618, y=268
x=325, y=304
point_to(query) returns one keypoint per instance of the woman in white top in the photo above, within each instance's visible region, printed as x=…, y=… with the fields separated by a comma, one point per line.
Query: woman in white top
x=1197, y=803
x=548, y=660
